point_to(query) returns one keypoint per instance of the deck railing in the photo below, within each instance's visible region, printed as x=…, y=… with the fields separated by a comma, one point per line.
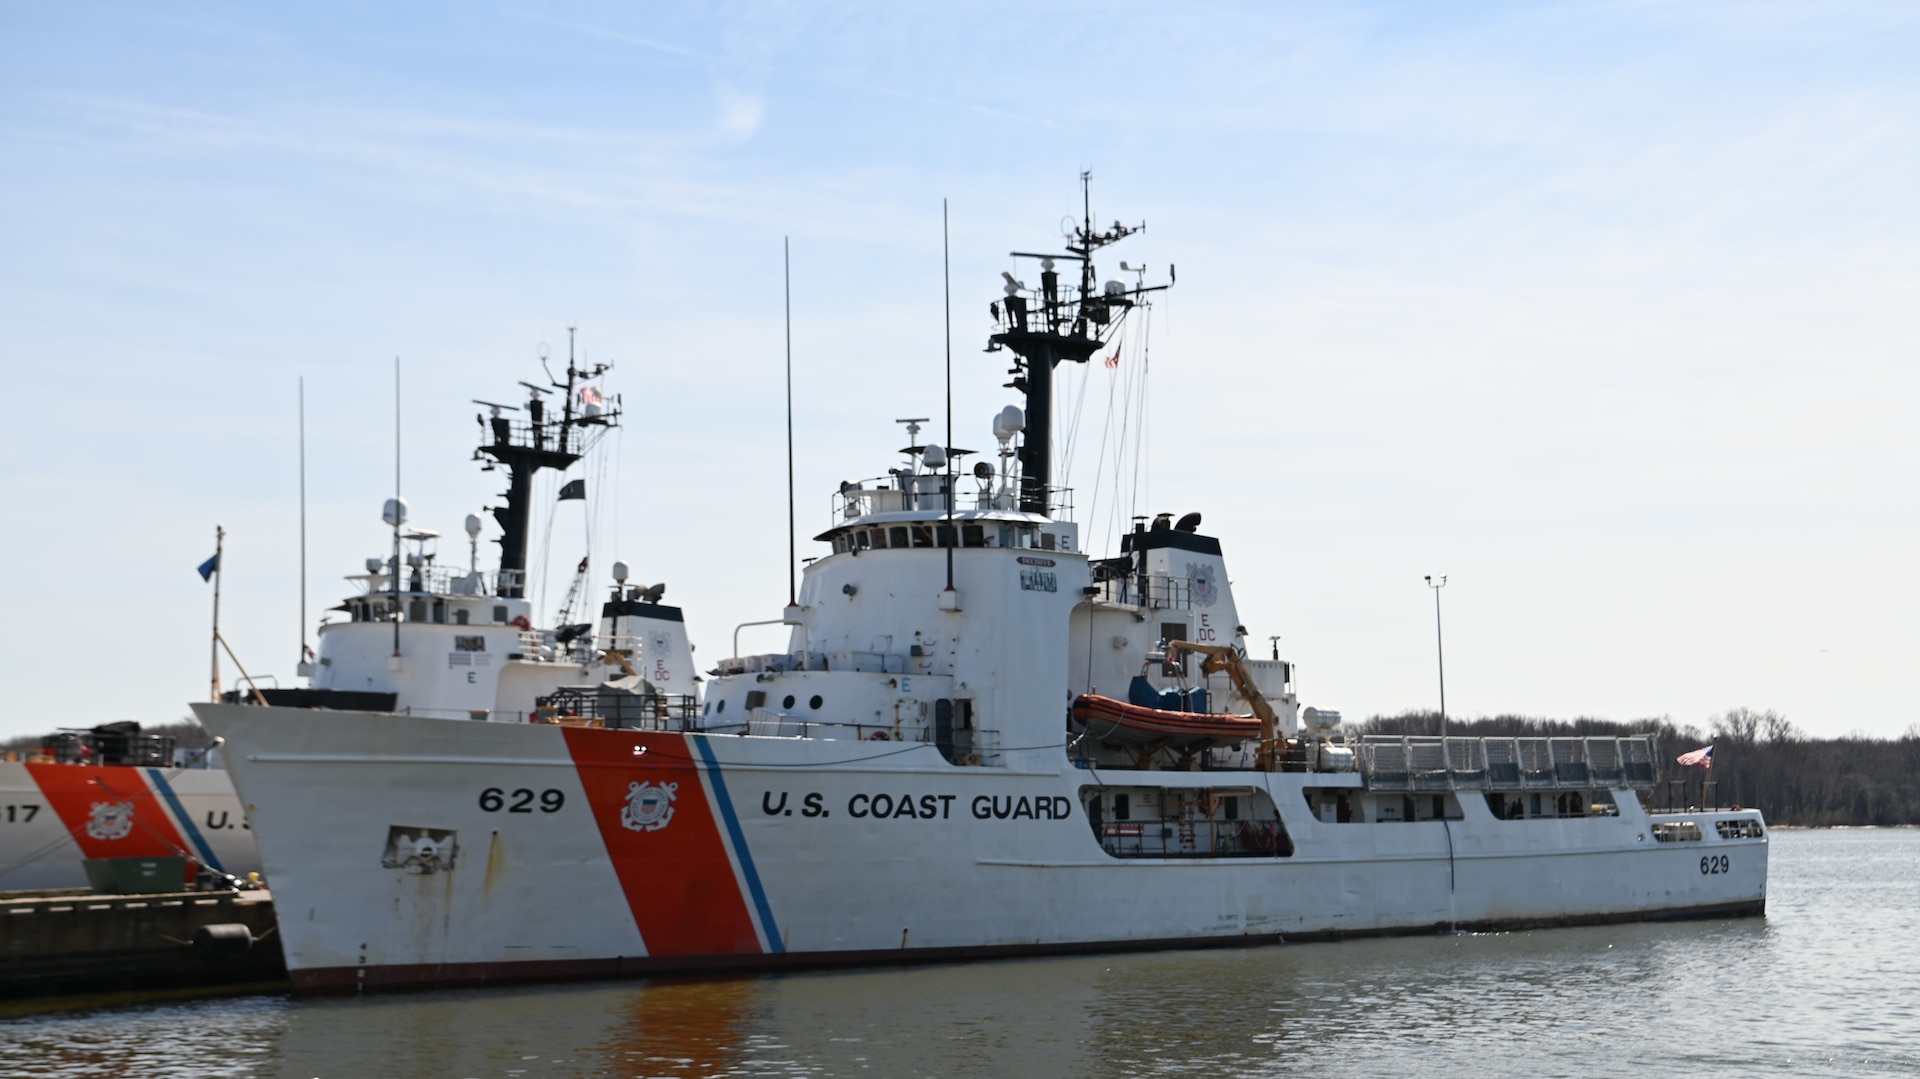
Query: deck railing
x=1437, y=764
x=1154, y=591
x=626, y=711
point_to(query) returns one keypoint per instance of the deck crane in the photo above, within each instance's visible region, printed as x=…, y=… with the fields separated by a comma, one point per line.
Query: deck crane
x=565, y=617
x=1226, y=658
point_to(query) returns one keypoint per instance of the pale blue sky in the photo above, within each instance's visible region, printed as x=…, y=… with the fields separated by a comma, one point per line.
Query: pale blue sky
x=1609, y=310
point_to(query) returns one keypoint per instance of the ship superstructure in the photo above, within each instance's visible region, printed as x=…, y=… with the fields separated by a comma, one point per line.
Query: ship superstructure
x=414, y=637
x=423, y=638
x=978, y=741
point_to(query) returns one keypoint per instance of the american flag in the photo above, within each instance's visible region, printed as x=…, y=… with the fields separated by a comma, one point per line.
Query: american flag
x=1114, y=360
x=1701, y=757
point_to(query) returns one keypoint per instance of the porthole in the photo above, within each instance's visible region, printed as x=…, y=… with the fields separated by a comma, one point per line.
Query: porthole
x=787, y=702
x=722, y=706
x=815, y=702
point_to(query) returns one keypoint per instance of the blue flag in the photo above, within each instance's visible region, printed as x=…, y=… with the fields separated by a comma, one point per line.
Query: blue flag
x=210, y=567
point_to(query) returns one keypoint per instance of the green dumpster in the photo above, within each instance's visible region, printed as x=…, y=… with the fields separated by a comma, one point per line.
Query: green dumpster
x=135, y=876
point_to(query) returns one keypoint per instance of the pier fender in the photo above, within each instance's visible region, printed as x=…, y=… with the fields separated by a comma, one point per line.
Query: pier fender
x=227, y=938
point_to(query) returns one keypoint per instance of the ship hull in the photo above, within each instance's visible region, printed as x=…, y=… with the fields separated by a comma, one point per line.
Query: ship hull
x=407, y=851
x=51, y=820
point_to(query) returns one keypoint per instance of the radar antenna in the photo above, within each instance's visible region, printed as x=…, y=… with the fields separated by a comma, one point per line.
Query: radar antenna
x=1042, y=330
x=525, y=446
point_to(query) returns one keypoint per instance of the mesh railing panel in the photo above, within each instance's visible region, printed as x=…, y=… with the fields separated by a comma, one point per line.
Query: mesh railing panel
x=1426, y=763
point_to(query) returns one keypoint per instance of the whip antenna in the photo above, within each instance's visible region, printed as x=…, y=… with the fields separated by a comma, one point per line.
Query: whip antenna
x=399, y=514
x=303, y=520
x=946, y=284
x=793, y=552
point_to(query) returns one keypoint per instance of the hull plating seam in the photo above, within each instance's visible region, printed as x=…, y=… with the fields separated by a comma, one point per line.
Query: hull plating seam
x=427, y=976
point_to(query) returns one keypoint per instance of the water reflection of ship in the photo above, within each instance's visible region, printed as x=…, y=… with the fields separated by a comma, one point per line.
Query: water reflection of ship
x=683, y=1027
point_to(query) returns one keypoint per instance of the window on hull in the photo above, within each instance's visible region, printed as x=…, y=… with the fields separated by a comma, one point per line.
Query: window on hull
x=1346, y=805
x=1151, y=822
x=1551, y=805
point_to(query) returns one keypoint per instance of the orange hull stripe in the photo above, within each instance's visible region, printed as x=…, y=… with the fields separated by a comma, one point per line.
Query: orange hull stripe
x=109, y=810
x=664, y=841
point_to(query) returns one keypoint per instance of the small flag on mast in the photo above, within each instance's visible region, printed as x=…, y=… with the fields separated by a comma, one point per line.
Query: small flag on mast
x=210, y=567
x=1702, y=757
x=574, y=489
x=1114, y=360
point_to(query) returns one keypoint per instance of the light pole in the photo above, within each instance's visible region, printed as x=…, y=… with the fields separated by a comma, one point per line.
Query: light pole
x=1439, y=645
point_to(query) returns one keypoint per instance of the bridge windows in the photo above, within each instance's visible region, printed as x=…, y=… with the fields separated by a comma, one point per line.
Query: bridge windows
x=942, y=534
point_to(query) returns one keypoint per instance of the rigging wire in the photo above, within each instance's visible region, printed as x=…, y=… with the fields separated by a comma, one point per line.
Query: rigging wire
x=1071, y=441
x=1100, y=463
x=619, y=456
x=1147, y=369
x=1143, y=429
x=1125, y=428
x=547, y=493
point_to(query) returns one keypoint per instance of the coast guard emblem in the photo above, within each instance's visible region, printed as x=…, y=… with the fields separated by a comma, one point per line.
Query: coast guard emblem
x=1205, y=591
x=649, y=806
x=110, y=820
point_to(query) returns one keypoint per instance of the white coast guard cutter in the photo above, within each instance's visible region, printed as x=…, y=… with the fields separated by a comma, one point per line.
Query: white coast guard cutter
x=978, y=742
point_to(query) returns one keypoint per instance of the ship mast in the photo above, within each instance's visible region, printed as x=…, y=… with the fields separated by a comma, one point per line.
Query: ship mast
x=1046, y=327
x=524, y=448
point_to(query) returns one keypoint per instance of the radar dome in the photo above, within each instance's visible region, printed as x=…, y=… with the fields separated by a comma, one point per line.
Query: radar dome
x=473, y=525
x=1011, y=421
x=934, y=456
x=620, y=572
x=395, y=512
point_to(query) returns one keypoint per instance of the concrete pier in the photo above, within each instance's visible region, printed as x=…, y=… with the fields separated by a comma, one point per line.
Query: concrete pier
x=75, y=941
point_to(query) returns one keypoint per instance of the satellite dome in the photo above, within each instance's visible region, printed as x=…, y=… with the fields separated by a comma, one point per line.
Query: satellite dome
x=1011, y=421
x=473, y=525
x=394, y=512
x=620, y=572
x=934, y=456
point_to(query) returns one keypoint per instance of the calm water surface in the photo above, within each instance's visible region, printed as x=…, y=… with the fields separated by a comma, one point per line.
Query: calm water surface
x=1827, y=984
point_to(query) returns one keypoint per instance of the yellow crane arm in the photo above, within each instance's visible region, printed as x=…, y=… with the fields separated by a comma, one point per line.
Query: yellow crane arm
x=1226, y=658
x=620, y=657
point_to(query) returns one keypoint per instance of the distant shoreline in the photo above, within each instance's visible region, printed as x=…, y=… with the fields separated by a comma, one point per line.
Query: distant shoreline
x=1842, y=827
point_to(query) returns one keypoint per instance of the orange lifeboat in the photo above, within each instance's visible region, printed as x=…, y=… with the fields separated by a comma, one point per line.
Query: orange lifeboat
x=1119, y=723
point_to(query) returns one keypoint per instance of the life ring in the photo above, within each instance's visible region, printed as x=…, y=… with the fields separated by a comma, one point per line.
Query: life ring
x=879, y=736
x=971, y=760
x=520, y=621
